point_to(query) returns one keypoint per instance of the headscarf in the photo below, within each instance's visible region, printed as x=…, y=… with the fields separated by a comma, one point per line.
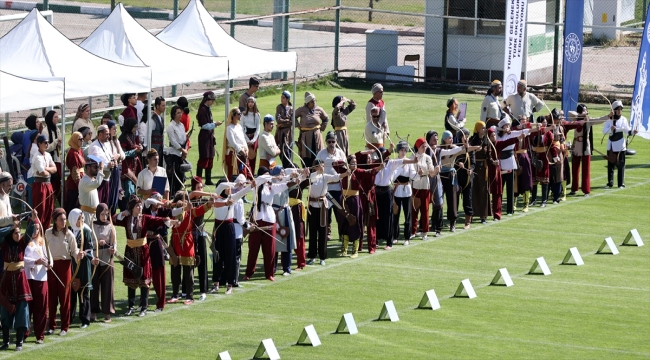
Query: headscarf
x=309, y=97
x=377, y=87
x=133, y=201
x=84, y=130
x=478, y=126
x=5, y=176
x=337, y=100
x=446, y=135
x=129, y=124
x=276, y=171
x=80, y=110
x=51, y=127
x=100, y=208
x=73, y=217
x=286, y=94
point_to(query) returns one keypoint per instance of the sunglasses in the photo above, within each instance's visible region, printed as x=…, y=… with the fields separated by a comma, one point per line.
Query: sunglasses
x=375, y=116
x=331, y=141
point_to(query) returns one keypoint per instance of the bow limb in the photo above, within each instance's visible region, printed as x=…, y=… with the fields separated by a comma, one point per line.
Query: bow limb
x=254, y=192
x=374, y=147
x=74, y=276
x=90, y=279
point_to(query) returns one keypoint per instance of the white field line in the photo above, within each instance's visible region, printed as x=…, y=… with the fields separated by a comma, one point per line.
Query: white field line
x=75, y=334
x=536, y=278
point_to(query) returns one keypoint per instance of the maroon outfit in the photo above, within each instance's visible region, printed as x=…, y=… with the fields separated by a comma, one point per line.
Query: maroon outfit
x=74, y=159
x=14, y=284
x=206, y=138
x=157, y=255
x=257, y=239
x=59, y=294
x=38, y=306
x=130, y=112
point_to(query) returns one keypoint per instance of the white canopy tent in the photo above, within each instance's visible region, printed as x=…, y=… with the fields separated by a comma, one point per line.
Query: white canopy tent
x=34, y=48
x=122, y=39
x=196, y=31
x=21, y=93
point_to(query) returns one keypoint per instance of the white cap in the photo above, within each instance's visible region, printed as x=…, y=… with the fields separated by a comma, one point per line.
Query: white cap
x=617, y=104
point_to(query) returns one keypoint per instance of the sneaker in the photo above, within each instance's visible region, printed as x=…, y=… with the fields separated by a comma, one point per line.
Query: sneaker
x=202, y=297
x=173, y=300
x=572, y=193
x=354, y=255
x=555, y=202
x=466, y=226
x=158, y=310
x=322, y=262
x=142, y=313
x=509, y=214
x=483, y=221
x=229, y=290
x=286, y=273
x=63, y=333
x=49, y=332
x=19, y=348
x=438, y=234
x=587, y=195
x=609, y=186
x=411, y=237
x=417, y=234
x=424, y=237
x=496, y=220
x=310, y=262
x=543, y=204
x=388, y=247
x=525, y=209
x=622, y=186
x=406, y=242
x=452, y=229
x=532, y=202
x=188, y=302
x=107, y=319
x=129, y=312
x=372, y=251
x=84, y=326
x=246, y=278
x=183, y=295
x=39, y=341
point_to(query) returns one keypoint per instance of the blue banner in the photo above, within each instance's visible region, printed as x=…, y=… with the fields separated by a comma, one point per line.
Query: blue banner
x=572, y=61
x=640, y=110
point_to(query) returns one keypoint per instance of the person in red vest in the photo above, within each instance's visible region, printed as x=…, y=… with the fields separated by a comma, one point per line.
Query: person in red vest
x=377, y=100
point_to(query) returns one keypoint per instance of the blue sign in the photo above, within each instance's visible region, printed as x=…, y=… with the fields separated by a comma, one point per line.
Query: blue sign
x=640, y=116
x=572, y=64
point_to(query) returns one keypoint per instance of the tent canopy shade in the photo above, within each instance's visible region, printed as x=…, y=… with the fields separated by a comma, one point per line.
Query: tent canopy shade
x=122, y=39
x=36, y=49
x=195, y=30
x=20, y=93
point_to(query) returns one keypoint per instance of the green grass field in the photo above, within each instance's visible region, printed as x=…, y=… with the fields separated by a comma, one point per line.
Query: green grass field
x=599, y=310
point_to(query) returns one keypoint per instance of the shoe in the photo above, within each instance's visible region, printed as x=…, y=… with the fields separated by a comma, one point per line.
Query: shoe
x=542, y=205
x=310, y=262
x=142, y=313
x=509, y=214
x=84, y=326
x=424, y=237
x=609, y=186
x=188, y=302
x=322, y=263
x=388, y=247
x=246, y=278
x=63, y=333
x=438, y=234
x=229, y=290
x=395, y=242
x=236, y=285
x=93, y=317
x=406, y=242
x=354, y=255
x=183, y=295
x=496, y=220
x=270, y=278
x=4, y=347
x=622, y=186
x=411, y=237
x=532, y=202
x=371, y=251
x=525, y=209
x=483, y=221
x=555, y=202
x=19, y=348
x=563, y=198
x=39, y=341
x=417, y=234
x=202, y=297
x=286, y=273
x=467, y=225
x=158, y=310
x=452, y=229
x=130, y=312
x=49, y=332
x=173, y=300
x=572, y=193
x=107, y=319
x=587, y=195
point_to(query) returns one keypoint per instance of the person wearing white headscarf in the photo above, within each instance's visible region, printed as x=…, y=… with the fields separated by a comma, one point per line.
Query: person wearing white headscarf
x=312, y=120
x=81, y=269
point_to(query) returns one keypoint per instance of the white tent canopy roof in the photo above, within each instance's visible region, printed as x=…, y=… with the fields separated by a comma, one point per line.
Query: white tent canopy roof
x=195, y=30
x=19, y=93
x=122, y=39
x=36, y=49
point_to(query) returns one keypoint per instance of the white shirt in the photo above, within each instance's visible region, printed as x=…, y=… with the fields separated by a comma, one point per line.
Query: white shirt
x=266, y=212
x=407, y=170
x=52, y=147
x=328, y=160
x=5, y=205
x=510, y=163
x=238, y=215
x=251, y=121
x=490, y=108
x=88, y=192
x=385, y=176
x=267, y=148
x=139, y=107
x=34, y=252
x=145, y=178
x=142, y=132
x=374, y=134
x=383, y=118
x=39, y=163
x=622, y=126
x=177, y=137
x=524, y=105
x=228, y=212
x=318, y=187
x=236, y=137
x=425, y=163
x=102, y=151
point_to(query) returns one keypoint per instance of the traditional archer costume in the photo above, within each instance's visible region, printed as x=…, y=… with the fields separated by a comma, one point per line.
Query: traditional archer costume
x=541, y=147
x=285, y=234
x=82, y=272
x=283, y=130
x=480, y=190
x=101, y=297
x=14, y=286
x=421, y=192
x=137, y=252
x=131, y=165
x=495, y=172
x=311, y=123
x=157, y=241
x=353, y=193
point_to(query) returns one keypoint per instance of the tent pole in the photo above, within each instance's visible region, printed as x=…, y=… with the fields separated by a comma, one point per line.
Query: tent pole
x=293, y=113
x=148, y=115
x=63, y=155
x=90, y=106
x=7, y=126
x=227, y=104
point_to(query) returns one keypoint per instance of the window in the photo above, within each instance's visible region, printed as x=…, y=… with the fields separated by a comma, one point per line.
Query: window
x=482, y=9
